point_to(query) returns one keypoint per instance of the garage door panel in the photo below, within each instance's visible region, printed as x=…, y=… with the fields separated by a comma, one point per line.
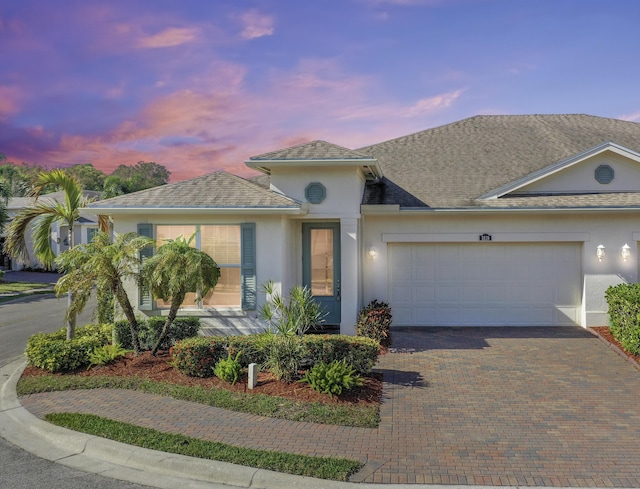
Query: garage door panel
x=468, y=284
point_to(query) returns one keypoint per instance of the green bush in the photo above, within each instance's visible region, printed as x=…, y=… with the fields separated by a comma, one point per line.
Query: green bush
x=149, y=331
x=105, y=354
x=358, y=351
x=251, y=348
x=197, y=356
x=332, y=378
x=624, y=315
x=374, y=321
x=228, y=369
x=53, y=352
x=284, y=356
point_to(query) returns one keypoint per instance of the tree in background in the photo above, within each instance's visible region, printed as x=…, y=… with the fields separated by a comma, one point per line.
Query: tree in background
x=5, y=193
x=90, y=178
x=178, y=268
x=127, y=179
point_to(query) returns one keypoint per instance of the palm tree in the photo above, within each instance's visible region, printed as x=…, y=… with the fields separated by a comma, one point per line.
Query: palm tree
x=174, y=270
x=104, y=264
x=41, y=215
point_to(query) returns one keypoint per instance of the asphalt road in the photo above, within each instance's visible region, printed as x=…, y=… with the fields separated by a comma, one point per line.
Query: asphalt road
x=20, y=469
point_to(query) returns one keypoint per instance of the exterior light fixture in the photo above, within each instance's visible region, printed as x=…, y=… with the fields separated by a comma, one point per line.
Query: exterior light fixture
x=600, y=253
x=372, y=252
x=625, y=252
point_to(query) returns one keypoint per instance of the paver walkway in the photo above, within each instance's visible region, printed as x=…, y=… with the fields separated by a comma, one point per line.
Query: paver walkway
x=486, y=406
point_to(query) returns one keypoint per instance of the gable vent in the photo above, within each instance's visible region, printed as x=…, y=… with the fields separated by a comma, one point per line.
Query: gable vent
x=604, y=174
x=315, y=193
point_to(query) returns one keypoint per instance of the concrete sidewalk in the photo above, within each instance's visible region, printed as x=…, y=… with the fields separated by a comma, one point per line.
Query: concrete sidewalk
x=462, y=406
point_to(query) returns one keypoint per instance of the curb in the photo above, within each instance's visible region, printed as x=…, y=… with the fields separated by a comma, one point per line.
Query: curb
x=117, y=460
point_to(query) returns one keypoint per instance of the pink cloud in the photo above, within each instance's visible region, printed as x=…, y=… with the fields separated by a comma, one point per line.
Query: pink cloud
x=633, y=117
x=172, y=36
x=9, y=101
x=431, y=104
x=256, y=24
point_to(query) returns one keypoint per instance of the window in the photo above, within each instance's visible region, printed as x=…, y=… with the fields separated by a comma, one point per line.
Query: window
x=91, y=232
x=223, y=244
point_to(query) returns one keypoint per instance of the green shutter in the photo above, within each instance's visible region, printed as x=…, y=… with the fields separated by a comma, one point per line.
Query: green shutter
x=248, y=266
x=145, y=302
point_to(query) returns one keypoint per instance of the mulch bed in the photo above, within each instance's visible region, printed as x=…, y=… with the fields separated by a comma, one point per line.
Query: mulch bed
x=604, y=333
x=158, y=368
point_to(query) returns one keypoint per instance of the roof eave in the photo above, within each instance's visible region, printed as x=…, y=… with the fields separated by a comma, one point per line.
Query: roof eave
x=297, y=210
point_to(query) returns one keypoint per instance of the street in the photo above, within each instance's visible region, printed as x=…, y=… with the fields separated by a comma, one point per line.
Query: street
x=18, y=468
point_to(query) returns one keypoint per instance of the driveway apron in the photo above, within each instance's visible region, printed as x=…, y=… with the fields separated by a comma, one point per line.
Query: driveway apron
x=481, y=406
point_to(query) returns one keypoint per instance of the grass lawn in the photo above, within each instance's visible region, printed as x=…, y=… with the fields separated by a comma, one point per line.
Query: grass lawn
x=17, y=287
x=320, y=467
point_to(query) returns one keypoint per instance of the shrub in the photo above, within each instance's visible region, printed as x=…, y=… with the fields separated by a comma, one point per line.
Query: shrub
x=104, y=354
x=197, y=356
x=284, y=355
x=332, y=378
x=149, y=332
x=374, y=321
x=250, y=348
x=624, y=314
x=1, y=275
x=292, y=315
x=53, y=352
x=228, y=369
x=358, y=351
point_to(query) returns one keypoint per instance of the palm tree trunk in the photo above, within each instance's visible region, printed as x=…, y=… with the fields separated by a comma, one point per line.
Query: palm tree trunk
x=173, y=312
x=71, y=321
x=123, y=300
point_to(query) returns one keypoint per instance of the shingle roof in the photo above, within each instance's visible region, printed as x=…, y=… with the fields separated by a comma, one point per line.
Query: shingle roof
x=314, y=150
x=215, y=190
x=451, y=166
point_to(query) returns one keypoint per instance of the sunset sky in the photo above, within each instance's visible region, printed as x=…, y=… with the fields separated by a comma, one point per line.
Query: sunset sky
x=199, y=86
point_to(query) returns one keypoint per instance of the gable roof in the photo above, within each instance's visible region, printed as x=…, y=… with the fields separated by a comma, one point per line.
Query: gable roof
x=313, y=151
x=452, y=166
x=219, y=190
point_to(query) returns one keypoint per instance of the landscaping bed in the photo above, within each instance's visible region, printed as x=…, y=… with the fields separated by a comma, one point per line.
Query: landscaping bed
x=604, y=333
x=159, y=369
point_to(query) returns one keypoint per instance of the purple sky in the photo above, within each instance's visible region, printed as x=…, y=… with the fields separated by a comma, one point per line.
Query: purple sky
x=199, y=85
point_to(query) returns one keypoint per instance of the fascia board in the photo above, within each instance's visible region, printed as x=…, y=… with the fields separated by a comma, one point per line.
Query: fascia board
x=559, y=166
x=521, y=210
x=266, y=165
x=199, y=210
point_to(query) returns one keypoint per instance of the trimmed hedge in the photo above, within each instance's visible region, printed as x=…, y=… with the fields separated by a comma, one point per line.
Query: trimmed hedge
x=197, y=356
x=358, y=351
x=53, y=352
x=149, y=331
x=624, y=315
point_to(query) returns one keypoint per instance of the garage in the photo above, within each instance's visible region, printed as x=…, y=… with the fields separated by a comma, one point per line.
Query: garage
x=485, y=284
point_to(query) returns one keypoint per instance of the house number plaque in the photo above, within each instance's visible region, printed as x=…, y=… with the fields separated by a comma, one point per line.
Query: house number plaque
x=485, y=237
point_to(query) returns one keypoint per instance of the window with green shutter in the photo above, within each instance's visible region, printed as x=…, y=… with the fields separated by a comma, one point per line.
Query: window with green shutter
x=233, y=249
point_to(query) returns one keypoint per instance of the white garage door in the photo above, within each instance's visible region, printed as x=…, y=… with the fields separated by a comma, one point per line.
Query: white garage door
x=485, y=284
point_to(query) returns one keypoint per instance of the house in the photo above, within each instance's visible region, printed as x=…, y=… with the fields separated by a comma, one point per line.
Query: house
x=492, y=220
x=84, y=229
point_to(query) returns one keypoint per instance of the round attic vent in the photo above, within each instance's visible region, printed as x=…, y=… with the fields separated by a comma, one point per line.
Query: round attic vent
x=315, y=193
x=604, y=174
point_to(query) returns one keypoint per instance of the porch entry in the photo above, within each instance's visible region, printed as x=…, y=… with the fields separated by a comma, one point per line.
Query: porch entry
x=321, y=266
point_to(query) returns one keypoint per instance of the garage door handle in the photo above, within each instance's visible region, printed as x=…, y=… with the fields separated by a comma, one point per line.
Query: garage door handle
x=338, y=290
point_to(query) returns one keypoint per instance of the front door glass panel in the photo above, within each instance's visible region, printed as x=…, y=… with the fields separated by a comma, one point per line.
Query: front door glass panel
x=322, y=270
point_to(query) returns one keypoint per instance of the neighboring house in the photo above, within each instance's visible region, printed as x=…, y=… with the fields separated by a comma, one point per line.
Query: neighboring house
x=84, y=229
x=492, y=220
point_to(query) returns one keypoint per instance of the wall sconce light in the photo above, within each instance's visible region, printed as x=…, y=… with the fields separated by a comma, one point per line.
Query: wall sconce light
x=625, y=252
x=372, y=252
x=600, y=253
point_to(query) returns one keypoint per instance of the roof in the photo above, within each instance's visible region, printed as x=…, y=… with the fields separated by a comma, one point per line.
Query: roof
x=215, y=190
x=313, y=151
x=451, y=166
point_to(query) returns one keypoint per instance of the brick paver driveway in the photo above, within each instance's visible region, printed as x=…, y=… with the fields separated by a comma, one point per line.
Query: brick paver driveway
x=487, y=406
